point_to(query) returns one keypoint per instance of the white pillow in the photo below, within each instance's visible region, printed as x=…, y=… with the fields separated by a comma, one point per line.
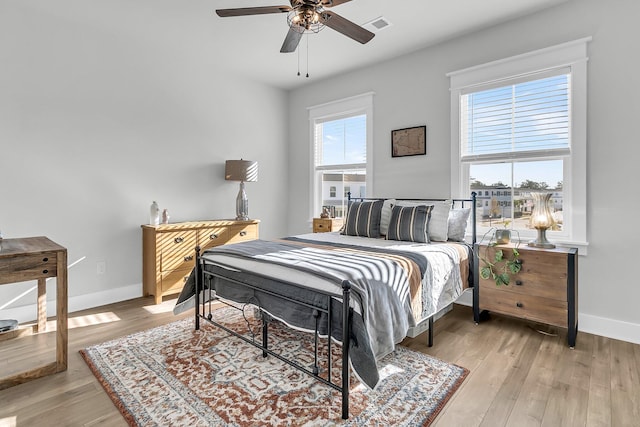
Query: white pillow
x=458, y=219
x=385, y=215
x=439, y=222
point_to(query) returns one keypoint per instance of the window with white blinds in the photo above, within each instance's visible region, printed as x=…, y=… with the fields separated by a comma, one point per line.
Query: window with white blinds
x=341, y=138
x=518, y=125
x=523, y=119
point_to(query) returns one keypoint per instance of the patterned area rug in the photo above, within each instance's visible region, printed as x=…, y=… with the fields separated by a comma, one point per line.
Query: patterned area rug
x=175, y=376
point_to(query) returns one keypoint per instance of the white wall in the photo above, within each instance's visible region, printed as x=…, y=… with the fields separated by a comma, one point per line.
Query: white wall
x=413, y=90
x=106, y=106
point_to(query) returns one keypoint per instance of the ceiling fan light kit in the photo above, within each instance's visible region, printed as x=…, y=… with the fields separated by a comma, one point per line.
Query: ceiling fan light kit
x=306, y=16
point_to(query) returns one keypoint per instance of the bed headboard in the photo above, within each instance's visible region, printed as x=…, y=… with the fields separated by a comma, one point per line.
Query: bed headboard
x=455, y=203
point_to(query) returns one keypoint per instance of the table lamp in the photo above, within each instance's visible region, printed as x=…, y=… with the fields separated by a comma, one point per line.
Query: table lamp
x=541, y=219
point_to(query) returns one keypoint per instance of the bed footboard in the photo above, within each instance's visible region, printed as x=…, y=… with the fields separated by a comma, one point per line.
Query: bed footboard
x=204, y=308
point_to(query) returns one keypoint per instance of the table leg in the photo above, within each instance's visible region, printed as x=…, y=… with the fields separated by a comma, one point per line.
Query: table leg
x=61, y=312
x=42, y=305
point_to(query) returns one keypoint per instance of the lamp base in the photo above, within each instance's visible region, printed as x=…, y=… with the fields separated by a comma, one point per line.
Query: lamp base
x=541, y=241
x=242, y=204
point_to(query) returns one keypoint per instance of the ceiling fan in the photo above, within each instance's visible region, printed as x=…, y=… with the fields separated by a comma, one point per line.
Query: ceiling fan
x=306, y=16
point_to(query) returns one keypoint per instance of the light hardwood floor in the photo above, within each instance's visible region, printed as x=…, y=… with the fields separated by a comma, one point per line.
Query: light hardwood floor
x=519, y=376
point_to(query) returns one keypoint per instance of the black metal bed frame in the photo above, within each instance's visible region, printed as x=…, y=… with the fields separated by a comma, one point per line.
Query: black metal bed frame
x=204, y=314
x=201, y=312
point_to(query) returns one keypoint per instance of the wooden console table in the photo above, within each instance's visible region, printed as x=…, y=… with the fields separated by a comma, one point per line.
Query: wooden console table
x=37, y=258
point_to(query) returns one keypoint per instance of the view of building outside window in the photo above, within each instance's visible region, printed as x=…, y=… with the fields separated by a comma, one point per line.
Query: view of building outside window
x=503, y=192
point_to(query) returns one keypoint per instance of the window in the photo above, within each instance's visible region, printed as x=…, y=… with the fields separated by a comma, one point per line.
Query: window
x=341, y=140
x=519, y=125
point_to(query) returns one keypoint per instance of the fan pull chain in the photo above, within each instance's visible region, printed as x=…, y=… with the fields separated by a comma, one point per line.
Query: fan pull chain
x=307, y=55
x=298, y=62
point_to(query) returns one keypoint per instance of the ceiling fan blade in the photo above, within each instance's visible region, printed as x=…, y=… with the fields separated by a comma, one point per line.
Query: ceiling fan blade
x=346, y=27
x=291, y=41
x=243, y=11
x=332, y=3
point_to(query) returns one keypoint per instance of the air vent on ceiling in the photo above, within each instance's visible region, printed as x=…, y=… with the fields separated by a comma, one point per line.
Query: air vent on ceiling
x=377, y=24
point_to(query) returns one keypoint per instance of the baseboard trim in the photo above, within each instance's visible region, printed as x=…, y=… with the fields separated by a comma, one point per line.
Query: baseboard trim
x=596, y=325
x=28, y=313
x=610, y=328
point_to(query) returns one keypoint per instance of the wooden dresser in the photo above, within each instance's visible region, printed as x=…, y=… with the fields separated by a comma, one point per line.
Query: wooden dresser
x=545, y=290
x=168, y=250
x=324, y=225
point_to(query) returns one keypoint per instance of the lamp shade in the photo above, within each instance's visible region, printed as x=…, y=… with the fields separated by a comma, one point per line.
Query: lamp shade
x=241, y=170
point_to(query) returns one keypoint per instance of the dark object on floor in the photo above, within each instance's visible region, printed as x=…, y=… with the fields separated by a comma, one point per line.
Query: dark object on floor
x=8, y=325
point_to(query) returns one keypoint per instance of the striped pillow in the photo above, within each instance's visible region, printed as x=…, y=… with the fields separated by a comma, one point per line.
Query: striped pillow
x=363, y=219
x=410, y=223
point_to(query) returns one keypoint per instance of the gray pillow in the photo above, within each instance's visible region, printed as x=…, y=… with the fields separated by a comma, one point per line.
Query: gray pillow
x=458, y=219
x=410, y=223
x=438, y=224
x=363, y=219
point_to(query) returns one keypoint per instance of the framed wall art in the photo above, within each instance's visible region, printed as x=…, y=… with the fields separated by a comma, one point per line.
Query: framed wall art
x=409, y=141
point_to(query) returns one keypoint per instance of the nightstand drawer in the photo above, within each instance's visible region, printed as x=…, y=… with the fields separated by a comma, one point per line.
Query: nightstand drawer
x=529, y=307
x=325, y=225
x=543, y=274
x=524, y=284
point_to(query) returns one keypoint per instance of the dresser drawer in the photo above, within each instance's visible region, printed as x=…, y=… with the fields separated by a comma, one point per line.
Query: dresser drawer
x=241, y=233
x=177, y=249
x=210, y=237
x=545, y=310
x=173, y=281
x=33, y=265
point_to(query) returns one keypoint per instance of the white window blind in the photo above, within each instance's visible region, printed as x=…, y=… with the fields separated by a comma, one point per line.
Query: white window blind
x=528, y=117
x=341, y=143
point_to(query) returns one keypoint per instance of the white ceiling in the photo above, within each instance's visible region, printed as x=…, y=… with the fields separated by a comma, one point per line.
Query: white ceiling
x=251, y=44
x=190, y=32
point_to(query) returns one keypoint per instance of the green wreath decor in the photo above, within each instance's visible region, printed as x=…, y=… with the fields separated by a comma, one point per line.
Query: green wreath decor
x=501, y=267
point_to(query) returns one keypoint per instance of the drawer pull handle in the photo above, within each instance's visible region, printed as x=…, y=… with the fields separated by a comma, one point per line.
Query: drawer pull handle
x=519, y=283
x=45, y=259
x=188, y=258
x=179, y=239
x=243, y=233
x=45, y=271
x=213, y=236
x=519, y=305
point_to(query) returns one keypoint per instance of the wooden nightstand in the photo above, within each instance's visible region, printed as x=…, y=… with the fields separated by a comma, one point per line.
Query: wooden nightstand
x=545, y=290
x=324, y=225
x=168, y=250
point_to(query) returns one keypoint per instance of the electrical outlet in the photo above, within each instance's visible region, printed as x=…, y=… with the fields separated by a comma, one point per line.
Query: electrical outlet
x=101, y=268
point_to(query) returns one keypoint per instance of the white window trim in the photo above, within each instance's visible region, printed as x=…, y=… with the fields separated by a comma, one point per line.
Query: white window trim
x=358, y=104
x=572, y=54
